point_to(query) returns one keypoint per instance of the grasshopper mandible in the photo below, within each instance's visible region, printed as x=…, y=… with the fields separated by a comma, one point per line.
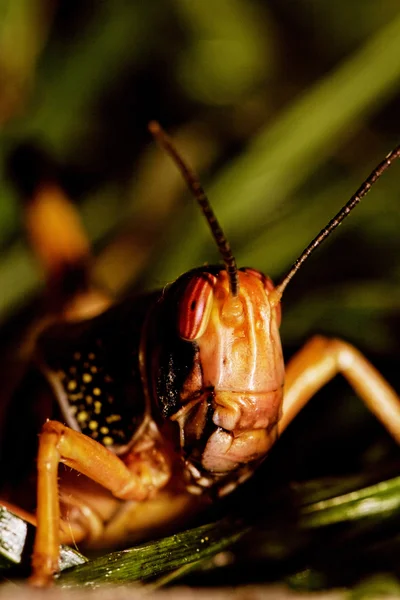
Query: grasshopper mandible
x=171, y=399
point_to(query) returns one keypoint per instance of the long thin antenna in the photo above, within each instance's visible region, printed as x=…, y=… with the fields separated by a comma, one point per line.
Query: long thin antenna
x=198, y=192
x=341, y=215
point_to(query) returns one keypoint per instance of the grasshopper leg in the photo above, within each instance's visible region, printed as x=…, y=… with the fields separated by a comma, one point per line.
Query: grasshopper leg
x=318, y=362
x=59, y=443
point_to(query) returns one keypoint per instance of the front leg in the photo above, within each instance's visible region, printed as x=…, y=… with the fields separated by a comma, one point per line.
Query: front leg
x=59, y=443
x=318, y=362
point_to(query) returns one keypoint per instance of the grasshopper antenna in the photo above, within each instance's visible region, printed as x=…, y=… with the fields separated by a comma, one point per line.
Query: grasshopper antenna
x=337, y=219
x=198, y=192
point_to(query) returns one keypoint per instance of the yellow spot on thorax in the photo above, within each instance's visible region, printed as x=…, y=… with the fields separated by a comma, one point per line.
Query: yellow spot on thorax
x=113, y=418
x=82, y=416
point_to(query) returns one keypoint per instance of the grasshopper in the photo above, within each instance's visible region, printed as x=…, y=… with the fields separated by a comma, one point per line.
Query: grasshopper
x=166, y=401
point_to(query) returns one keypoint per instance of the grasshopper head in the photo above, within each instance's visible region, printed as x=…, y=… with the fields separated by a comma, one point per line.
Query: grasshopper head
x=220, y=375
x=227, y=402
x=219, y=370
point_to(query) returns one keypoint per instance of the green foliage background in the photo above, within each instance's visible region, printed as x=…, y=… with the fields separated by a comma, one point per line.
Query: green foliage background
x=283, y=108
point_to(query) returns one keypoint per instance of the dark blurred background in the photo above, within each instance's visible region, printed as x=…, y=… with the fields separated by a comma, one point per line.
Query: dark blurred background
x=283, y=108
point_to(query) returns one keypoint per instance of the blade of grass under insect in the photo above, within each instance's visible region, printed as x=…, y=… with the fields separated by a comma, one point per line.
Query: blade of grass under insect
x=12, y=540
x=176, y=574
x=13, y=533
x=150, y=560
x=167, y=559
x=156, y=559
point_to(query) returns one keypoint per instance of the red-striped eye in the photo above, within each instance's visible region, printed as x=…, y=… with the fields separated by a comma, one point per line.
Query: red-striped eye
x=268, y=286
x=195, y=306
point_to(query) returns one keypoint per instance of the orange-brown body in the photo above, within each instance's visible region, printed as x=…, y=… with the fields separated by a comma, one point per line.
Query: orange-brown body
x=238, y=376
x=168, y=401
x=224, y=422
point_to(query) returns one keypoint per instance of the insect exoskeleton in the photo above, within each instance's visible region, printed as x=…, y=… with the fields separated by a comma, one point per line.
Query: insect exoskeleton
x=172, y=395
x=219, y=372
x=225, y=375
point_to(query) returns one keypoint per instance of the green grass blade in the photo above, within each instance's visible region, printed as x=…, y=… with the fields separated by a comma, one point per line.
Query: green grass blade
x=154, y=559
x=166, y=560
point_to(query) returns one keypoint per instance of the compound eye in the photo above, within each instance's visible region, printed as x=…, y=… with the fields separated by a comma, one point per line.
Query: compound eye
x=268, y=286
x=195, y=306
